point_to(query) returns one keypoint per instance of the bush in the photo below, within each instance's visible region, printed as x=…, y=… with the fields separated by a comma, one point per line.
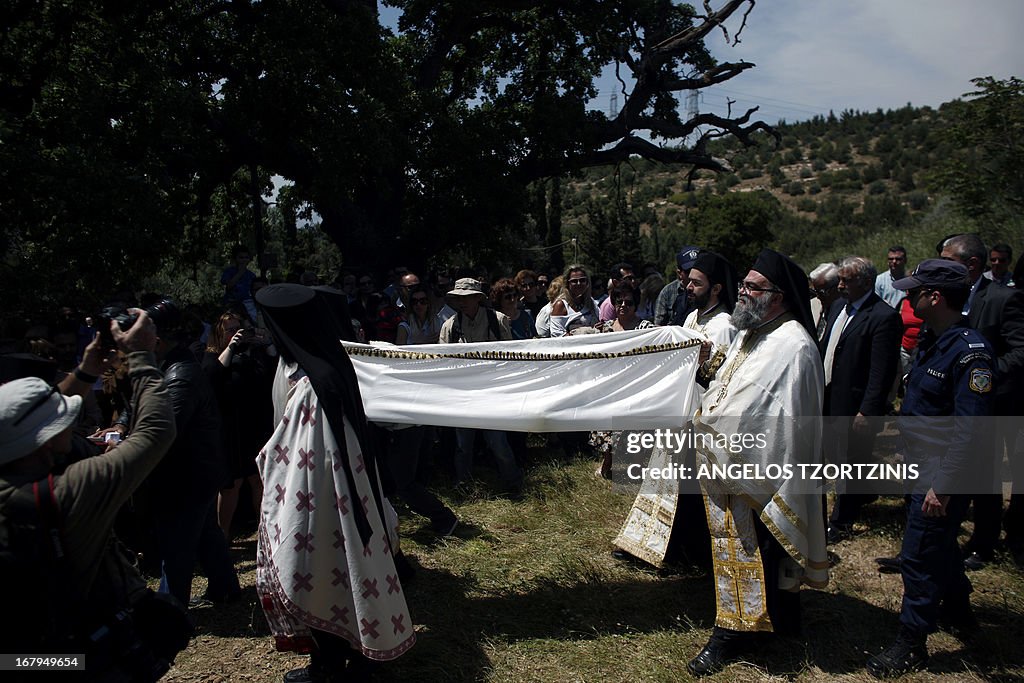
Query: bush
x=807, y=204
x=917, y=200
x=795, y=188
x=806, y=172
x=749, y=173
x=815, y=188
x=877, y=187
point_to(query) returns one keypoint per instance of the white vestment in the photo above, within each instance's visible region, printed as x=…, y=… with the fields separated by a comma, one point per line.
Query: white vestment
x=313, y=570
x=771, y=383
x=647, y=531
x=713, y=324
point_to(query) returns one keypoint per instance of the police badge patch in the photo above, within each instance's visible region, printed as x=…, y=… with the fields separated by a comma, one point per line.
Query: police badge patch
x=981, y=380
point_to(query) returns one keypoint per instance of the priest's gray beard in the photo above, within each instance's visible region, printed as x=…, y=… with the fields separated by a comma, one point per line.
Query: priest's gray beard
x=750, y=311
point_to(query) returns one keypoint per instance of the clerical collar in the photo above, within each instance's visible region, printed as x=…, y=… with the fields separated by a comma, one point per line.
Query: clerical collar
x=710, y=310
x=769, y=322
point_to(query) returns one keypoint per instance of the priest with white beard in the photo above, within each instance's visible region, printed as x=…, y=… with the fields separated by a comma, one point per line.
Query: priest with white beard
x=762, y=409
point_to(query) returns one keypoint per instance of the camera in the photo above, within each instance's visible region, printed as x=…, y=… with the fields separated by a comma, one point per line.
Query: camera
x=163, y=313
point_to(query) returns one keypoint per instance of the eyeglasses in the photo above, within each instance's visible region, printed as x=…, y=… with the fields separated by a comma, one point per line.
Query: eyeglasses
x=579, y=281
x=819, y=292
x=633, y=278
x=508, y=297
x=363, y=283
x=38, y=404
x=528, y=285
x=751, y=287
x=417, y=300
x=625, y=302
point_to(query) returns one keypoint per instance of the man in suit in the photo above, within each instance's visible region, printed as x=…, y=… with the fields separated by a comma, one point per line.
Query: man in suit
x=861, y=353
x=825, y=285
x=997, y=312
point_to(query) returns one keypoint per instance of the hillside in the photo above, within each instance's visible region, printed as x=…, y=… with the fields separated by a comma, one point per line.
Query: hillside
x=854, y=182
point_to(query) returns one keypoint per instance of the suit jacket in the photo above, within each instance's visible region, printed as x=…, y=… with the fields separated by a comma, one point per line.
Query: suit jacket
x=866, y=358
x=998, y=313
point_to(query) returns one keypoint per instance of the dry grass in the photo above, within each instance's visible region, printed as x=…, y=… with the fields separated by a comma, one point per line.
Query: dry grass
x=527, y=591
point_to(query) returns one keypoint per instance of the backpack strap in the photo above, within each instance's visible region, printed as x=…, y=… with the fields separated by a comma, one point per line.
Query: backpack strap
x=492, y=323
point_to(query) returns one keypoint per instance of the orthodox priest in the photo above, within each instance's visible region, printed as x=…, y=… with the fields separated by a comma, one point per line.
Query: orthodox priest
x=711, y=291
x=664, y=526
x=326, y=572
x=766, y=532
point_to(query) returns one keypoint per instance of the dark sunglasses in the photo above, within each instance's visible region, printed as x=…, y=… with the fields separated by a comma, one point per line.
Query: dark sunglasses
x=417, y=300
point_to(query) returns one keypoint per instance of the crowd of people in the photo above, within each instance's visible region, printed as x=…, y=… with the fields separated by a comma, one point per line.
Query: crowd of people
x=147, y=423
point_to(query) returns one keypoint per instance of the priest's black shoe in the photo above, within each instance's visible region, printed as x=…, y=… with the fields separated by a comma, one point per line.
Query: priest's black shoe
x=723, y=647
x=308, y=674
x=907, y=654
x=711, y=659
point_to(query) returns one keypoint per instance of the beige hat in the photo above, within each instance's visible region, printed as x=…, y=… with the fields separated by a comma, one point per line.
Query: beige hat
x=467, y=286
x=31, y=413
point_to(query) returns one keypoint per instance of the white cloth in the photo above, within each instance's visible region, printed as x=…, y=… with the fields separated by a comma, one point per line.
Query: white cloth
x=621, y=380
x=771, y=383
x=312, y=568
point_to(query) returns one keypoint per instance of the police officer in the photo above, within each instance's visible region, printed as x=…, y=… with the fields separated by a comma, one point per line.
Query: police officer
x=951, y=379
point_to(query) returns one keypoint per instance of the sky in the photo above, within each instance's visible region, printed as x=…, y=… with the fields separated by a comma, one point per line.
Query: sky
x=814, y=56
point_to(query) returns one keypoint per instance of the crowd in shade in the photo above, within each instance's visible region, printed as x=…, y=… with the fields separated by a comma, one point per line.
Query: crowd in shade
x=144, y=437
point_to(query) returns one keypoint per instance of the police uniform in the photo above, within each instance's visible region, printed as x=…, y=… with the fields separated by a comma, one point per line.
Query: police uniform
x=951, y=378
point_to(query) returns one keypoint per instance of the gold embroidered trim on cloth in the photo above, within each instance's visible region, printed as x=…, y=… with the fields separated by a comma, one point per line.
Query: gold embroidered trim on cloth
x=648, y=526
x=741, y=600
x=794, y=519
x=646, y=532
x=379, y=352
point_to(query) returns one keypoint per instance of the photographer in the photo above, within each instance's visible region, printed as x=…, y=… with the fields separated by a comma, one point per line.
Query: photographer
x=241, y=368
x=67, y=583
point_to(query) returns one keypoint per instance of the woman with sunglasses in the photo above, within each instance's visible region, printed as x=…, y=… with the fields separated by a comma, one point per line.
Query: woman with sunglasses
x=504, y=298
x=421, y=325
x=576, y=306
x=624, y=301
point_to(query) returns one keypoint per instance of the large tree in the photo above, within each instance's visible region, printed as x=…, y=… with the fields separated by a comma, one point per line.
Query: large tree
x=126, y=126
x=985, y=174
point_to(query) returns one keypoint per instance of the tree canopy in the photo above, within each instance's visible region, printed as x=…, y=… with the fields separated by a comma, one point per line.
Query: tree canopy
x=137, y=134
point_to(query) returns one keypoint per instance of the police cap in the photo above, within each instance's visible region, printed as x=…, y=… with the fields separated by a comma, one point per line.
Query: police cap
x=938, y=273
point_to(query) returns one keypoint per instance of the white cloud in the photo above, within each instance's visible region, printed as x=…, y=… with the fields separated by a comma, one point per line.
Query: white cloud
x=817, y=55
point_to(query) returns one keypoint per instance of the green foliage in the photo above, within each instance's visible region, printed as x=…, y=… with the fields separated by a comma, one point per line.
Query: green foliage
x=737, y=225
x=985, y=175
x=139, y=138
